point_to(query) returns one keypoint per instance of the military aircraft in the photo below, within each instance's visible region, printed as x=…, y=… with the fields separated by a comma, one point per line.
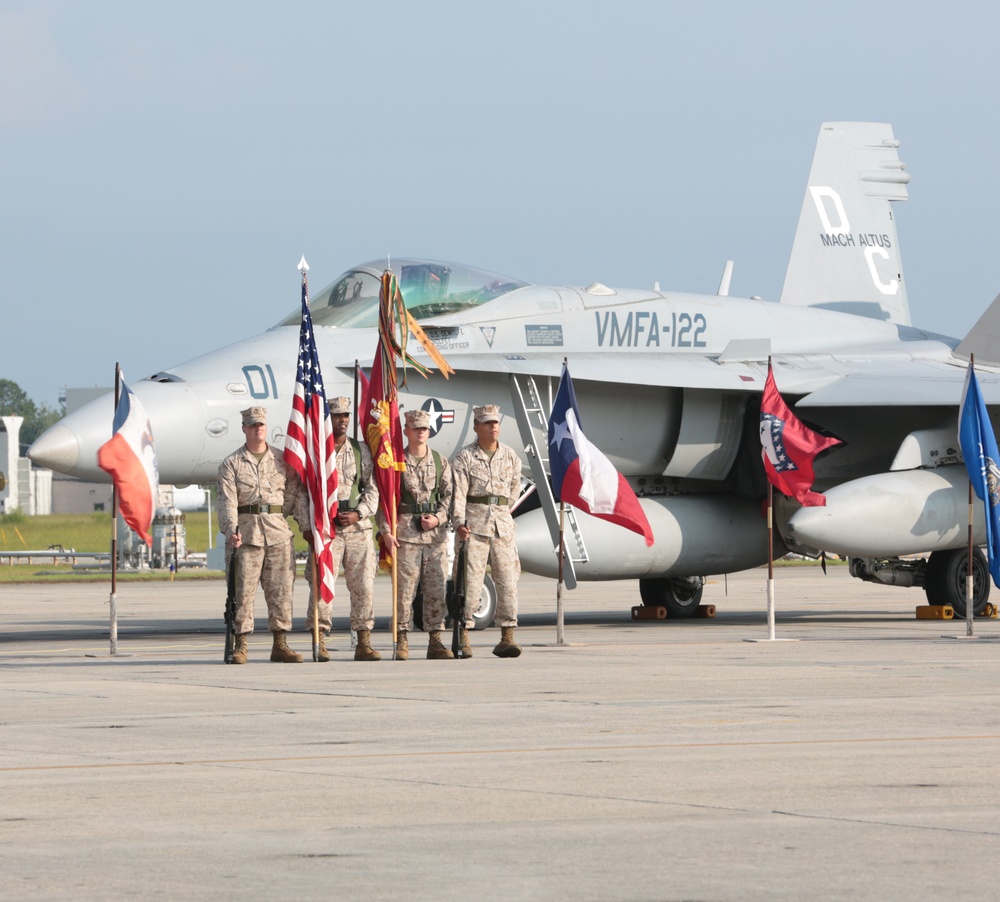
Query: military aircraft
x=669, y=387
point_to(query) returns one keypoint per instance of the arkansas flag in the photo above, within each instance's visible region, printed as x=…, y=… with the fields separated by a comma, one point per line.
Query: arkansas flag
x=789, y=447
x=582, y=475
x=131, y=460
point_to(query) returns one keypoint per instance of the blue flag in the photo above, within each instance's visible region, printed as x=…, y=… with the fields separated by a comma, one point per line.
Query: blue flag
x=979, y=448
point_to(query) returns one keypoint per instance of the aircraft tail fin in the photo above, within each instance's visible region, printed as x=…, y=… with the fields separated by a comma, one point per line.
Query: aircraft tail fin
x=846, y=253
x=983, y=339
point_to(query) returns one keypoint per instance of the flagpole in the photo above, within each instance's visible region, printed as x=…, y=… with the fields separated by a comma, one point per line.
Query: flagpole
x=770, y=546
x=355, y=419
x=317, y=599
x=562, y=554
x=113, y=601
x=393, y=511
x=395, y=580
x=560, y=640
x=310, y=452
x=968, y=576
x=317, y=595
x=770, y=561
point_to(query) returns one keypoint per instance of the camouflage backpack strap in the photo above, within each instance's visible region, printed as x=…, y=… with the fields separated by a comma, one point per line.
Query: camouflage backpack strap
x=438, y=470
x=406, y=496
x=352, y=502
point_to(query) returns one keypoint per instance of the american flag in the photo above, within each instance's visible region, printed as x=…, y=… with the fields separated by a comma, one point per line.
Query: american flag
x=310, y=446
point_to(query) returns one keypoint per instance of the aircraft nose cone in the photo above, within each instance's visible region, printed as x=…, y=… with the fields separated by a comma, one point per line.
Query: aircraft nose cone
x=57, y=448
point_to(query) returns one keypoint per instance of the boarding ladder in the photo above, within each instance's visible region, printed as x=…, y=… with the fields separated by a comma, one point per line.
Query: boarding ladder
x=533, y=424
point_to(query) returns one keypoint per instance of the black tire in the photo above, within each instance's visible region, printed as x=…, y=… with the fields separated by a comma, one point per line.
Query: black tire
x=680, y=595
x=418, y=609
x=486, y=610
x=946, y=575
x=482, y=616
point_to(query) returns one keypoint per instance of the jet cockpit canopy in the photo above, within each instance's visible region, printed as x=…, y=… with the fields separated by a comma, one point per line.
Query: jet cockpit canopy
x=430, y=288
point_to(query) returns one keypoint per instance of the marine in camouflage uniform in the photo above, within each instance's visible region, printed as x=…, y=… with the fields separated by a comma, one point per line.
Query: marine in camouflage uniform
x=257, y=491
x=487, y=477
x=353, y=548
x=421, y=539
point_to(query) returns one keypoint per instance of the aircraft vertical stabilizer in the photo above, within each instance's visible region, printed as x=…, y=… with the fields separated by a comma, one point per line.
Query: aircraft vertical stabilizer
x=846, y=254
x=983, y=339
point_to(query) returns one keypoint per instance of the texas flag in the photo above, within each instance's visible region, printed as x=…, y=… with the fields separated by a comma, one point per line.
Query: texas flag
x=131, y=460
x=582, y=475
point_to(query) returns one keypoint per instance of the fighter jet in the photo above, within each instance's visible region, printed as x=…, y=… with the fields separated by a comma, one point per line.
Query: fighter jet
x=669, y=387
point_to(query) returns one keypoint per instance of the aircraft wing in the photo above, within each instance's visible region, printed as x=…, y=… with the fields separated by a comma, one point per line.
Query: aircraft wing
x=634, y=368
x=821, y=380
x=915, y=384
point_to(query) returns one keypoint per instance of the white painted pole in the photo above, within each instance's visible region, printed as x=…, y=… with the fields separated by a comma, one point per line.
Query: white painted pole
x=113, y=600
x=770, y=608
x=968, y=574
x=770, y=561
x=560, y=638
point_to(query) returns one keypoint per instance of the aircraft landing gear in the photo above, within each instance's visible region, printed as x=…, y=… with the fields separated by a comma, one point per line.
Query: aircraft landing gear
x=946, y=575
x=680, y=595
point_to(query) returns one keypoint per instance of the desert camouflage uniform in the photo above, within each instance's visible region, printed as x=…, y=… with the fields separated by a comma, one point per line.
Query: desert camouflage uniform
x=476, y=474
x=353, y=548
x=266, y=555
x=423, y=556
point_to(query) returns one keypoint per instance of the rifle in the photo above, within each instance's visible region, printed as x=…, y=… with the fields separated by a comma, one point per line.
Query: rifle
x=456, y=601
x=230, y=612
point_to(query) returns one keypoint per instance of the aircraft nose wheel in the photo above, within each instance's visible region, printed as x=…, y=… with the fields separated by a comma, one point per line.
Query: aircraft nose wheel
x=681, y=595
x=946, y=575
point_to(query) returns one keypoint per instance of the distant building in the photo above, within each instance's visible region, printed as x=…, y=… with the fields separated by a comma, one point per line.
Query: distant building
x=74, y=496
x=22, y=486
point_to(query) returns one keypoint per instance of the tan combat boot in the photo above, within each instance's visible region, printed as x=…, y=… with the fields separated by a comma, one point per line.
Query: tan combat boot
x=402, y=646
x=507, y=647
x=364, y=650
x=322, y=655
x=281, y=653
x=436, y=650
x=463, y=638
x=240, y=649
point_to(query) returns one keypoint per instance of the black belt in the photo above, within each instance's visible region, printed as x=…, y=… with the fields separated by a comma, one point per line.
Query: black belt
x=486, y=499
x=259, y=509
x=423, y=507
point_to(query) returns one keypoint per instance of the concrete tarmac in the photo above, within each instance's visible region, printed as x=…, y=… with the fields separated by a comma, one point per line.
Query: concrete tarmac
x=639, y=761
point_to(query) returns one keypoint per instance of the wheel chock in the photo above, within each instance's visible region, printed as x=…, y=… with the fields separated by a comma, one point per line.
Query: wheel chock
x=989, y=612
x=705, y=611
x=935, y=612
x=649, y=612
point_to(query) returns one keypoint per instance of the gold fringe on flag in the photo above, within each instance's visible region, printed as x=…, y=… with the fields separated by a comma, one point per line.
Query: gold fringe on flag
x=407, y=324
x=429, y=346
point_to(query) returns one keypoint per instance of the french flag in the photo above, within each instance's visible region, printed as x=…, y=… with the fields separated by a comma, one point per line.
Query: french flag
x=130, y=458
x=582, y=475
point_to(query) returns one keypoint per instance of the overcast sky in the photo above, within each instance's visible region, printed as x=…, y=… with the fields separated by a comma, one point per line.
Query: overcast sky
x=164, y=165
